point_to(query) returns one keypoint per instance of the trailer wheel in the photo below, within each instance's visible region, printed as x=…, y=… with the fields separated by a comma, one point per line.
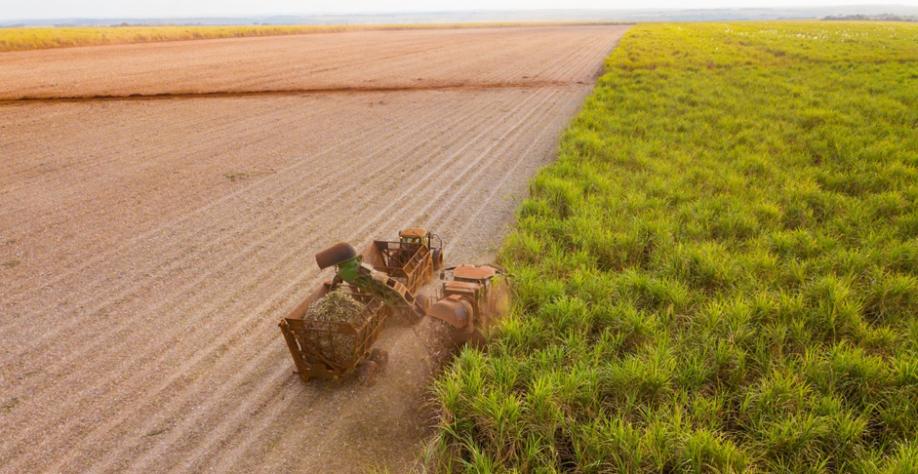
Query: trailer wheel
x=368, y=371
x=381, y=357
x=437, y=258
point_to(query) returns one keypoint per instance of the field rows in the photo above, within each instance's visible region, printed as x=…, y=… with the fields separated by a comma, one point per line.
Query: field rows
x=357, y=60
x=158, y=243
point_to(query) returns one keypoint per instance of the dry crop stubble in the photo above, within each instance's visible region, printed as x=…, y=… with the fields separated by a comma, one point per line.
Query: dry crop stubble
x=269, y=334
x=183, y=336
x=168, y=277
x=412, y=60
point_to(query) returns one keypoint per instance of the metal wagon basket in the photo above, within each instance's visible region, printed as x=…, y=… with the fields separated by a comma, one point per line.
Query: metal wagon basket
x=331, y=349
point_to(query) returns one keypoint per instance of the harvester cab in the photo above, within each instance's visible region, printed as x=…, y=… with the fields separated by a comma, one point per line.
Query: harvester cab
x=466, y=302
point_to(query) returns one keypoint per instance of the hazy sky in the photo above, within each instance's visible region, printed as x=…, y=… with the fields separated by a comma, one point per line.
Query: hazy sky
x=23, y=9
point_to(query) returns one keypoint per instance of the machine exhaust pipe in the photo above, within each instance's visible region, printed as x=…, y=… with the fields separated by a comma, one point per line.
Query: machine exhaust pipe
x=338, y=253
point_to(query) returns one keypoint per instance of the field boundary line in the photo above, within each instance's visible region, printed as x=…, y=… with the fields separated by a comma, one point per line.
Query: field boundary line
x=288, y=92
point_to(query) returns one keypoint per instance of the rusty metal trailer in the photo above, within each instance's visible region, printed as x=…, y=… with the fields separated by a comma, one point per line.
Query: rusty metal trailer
x=316, y=346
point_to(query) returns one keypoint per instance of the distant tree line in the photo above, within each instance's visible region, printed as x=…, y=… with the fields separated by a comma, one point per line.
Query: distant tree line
x=880, y=17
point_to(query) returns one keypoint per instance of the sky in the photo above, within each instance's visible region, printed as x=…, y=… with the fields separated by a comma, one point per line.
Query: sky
x=40, y=9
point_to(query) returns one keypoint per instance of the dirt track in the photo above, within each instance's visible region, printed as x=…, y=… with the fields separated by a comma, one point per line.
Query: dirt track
x=149, y=247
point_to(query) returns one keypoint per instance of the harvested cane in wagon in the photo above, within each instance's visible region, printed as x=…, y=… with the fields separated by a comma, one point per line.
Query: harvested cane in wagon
x=337, y=306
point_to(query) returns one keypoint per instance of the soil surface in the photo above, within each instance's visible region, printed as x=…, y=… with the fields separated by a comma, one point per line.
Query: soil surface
x=149, y=245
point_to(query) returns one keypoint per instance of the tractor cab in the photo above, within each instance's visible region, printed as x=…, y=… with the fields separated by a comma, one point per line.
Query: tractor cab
x=414, y=236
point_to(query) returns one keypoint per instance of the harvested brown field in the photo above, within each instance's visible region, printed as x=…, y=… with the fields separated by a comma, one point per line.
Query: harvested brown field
x=353, y=61
x=150, y=244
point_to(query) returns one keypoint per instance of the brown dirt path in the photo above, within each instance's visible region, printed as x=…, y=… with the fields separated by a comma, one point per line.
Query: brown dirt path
x=148, y=248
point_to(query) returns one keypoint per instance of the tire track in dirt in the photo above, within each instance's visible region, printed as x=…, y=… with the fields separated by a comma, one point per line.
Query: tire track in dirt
x=306, y=275
x=330, y=178
x=581, y=63
x=203, y=380
x=434, y=58
x=141, y=468
x=210, y=274
x=72, y=138
x=292, y=178
x=157, y=229
x=183, y=368
x=498, y=188
x=324, y=444
x=298, y=442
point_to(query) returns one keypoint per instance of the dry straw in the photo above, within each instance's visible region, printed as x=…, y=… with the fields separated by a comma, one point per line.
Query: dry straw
x=337, y=306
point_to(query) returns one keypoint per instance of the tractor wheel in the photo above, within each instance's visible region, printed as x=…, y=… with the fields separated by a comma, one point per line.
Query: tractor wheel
x=381, y=357
x=437, y=258
x=367, y=372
